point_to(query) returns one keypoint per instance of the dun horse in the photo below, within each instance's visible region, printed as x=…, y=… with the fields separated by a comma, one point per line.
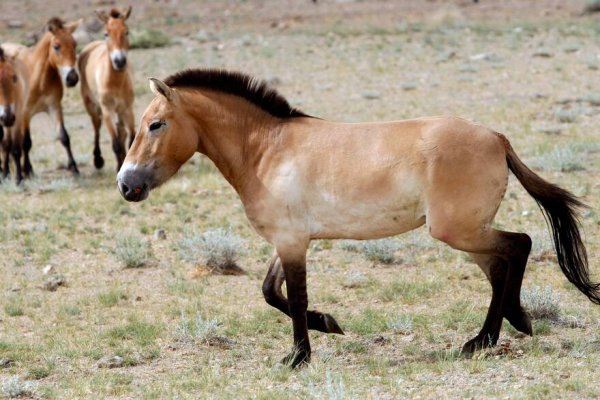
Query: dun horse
x=107, y=85
x=302, y=178
x=13, y=95
x=50, y=61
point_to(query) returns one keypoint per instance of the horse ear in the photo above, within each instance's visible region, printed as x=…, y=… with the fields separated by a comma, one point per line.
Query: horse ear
x=71, y=26
x=126, y=12
x=54, y=24
x=1, y=54
x=102, y=15
x=158, y=87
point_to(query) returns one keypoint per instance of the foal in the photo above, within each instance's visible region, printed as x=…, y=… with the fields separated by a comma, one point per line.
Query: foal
x=13, y=95
x=303, y=178
x=49, y=62
x=107, y=84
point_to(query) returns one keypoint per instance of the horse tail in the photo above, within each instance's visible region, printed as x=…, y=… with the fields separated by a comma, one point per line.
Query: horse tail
x=561, y=211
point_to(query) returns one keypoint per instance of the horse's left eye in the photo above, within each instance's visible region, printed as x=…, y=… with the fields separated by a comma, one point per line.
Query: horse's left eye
x=155, y=125
x=105, y=34
x=127, y=33
x=56, y=47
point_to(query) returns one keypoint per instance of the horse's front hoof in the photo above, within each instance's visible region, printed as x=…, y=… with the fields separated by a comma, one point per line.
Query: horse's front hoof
x=477, y=343
x=73, y=168
x=296, y=359
x=98, y=162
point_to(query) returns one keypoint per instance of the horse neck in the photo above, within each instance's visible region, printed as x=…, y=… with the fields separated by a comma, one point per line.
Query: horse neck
x=38, y=62
x=233, y=133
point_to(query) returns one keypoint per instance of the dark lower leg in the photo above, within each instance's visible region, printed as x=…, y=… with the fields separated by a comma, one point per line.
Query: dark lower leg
x=66, y=142
x=119, y=150
x=98, y=160
x=27, y=168
x=295, y=278
x=273, y=296
x=16, y=153
x=505, y=273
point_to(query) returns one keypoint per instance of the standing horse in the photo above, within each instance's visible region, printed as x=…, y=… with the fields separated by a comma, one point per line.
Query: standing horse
x=49, y=62
x=107, y=84
x=302, y=178
x=13, y=95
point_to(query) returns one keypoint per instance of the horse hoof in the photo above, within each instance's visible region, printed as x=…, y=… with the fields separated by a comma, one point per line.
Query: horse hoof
x=331, y=325
x=521, y=322
x=73, y=168
x=98, y=162
x=477, y=343
x=296, y=359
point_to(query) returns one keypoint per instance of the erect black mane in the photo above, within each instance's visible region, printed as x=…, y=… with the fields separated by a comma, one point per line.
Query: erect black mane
x=238, y=84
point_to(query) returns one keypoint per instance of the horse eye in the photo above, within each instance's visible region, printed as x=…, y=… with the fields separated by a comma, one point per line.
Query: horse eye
x=127, y=33
x=56, y=47
x=155, y=125
x=105, y=34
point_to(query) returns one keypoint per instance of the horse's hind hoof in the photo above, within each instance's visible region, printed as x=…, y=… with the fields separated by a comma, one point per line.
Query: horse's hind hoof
x=295, y=359
x=331, y=325
x=477, y=343
x=521, y=321
x=99, y=162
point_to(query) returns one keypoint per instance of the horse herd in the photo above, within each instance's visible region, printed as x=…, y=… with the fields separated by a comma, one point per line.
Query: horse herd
x=32, y=78
x=300, y=178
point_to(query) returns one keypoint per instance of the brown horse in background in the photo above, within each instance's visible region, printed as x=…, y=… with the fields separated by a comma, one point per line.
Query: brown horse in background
x=107, y=85
x=302, y=178
x=13, y=96
x=50, y=62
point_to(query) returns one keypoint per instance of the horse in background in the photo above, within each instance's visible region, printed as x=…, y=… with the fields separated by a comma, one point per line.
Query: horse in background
x=13, y=96
x=107, y=84
x=50, y=62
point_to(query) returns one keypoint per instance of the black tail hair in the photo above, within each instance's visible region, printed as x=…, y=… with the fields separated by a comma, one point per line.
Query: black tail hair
x=561, y=210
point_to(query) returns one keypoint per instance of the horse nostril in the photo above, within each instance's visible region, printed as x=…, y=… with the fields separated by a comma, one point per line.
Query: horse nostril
x=124, y=189
x=72, y=78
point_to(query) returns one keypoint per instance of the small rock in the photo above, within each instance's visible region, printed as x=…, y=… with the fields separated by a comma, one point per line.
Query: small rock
x=381, y=340
x=110, y=362
x=549, y=129
x=6, y=362
x=542, y=53
x=445, y=56
x=15, y=24
x=53, y=282
x=371, y=95
x=160, y=234
x=48, y=269
x=408, y=86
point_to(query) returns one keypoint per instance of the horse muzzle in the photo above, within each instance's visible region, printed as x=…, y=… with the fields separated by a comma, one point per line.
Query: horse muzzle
x=7, y=117
x=134, y=182
x=71, y=77
x=119, y=60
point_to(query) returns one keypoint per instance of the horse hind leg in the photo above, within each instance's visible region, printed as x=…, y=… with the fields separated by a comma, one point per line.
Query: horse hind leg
x=274, y=297
x=499, y=250
x=96, y=116
x=496, y=270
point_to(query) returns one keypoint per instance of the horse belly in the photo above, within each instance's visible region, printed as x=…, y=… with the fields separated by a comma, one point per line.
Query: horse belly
x=380, y=218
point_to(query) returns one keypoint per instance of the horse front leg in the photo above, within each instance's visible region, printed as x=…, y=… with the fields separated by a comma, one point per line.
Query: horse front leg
x=27, y=168
x=64, y=139
x=293, y=262
x=116, y=135
x=274, y=297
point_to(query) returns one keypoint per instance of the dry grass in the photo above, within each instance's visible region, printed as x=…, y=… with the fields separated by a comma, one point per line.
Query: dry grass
x=404, y=321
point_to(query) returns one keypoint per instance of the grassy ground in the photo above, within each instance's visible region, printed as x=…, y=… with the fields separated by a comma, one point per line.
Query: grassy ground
x=535, y=79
